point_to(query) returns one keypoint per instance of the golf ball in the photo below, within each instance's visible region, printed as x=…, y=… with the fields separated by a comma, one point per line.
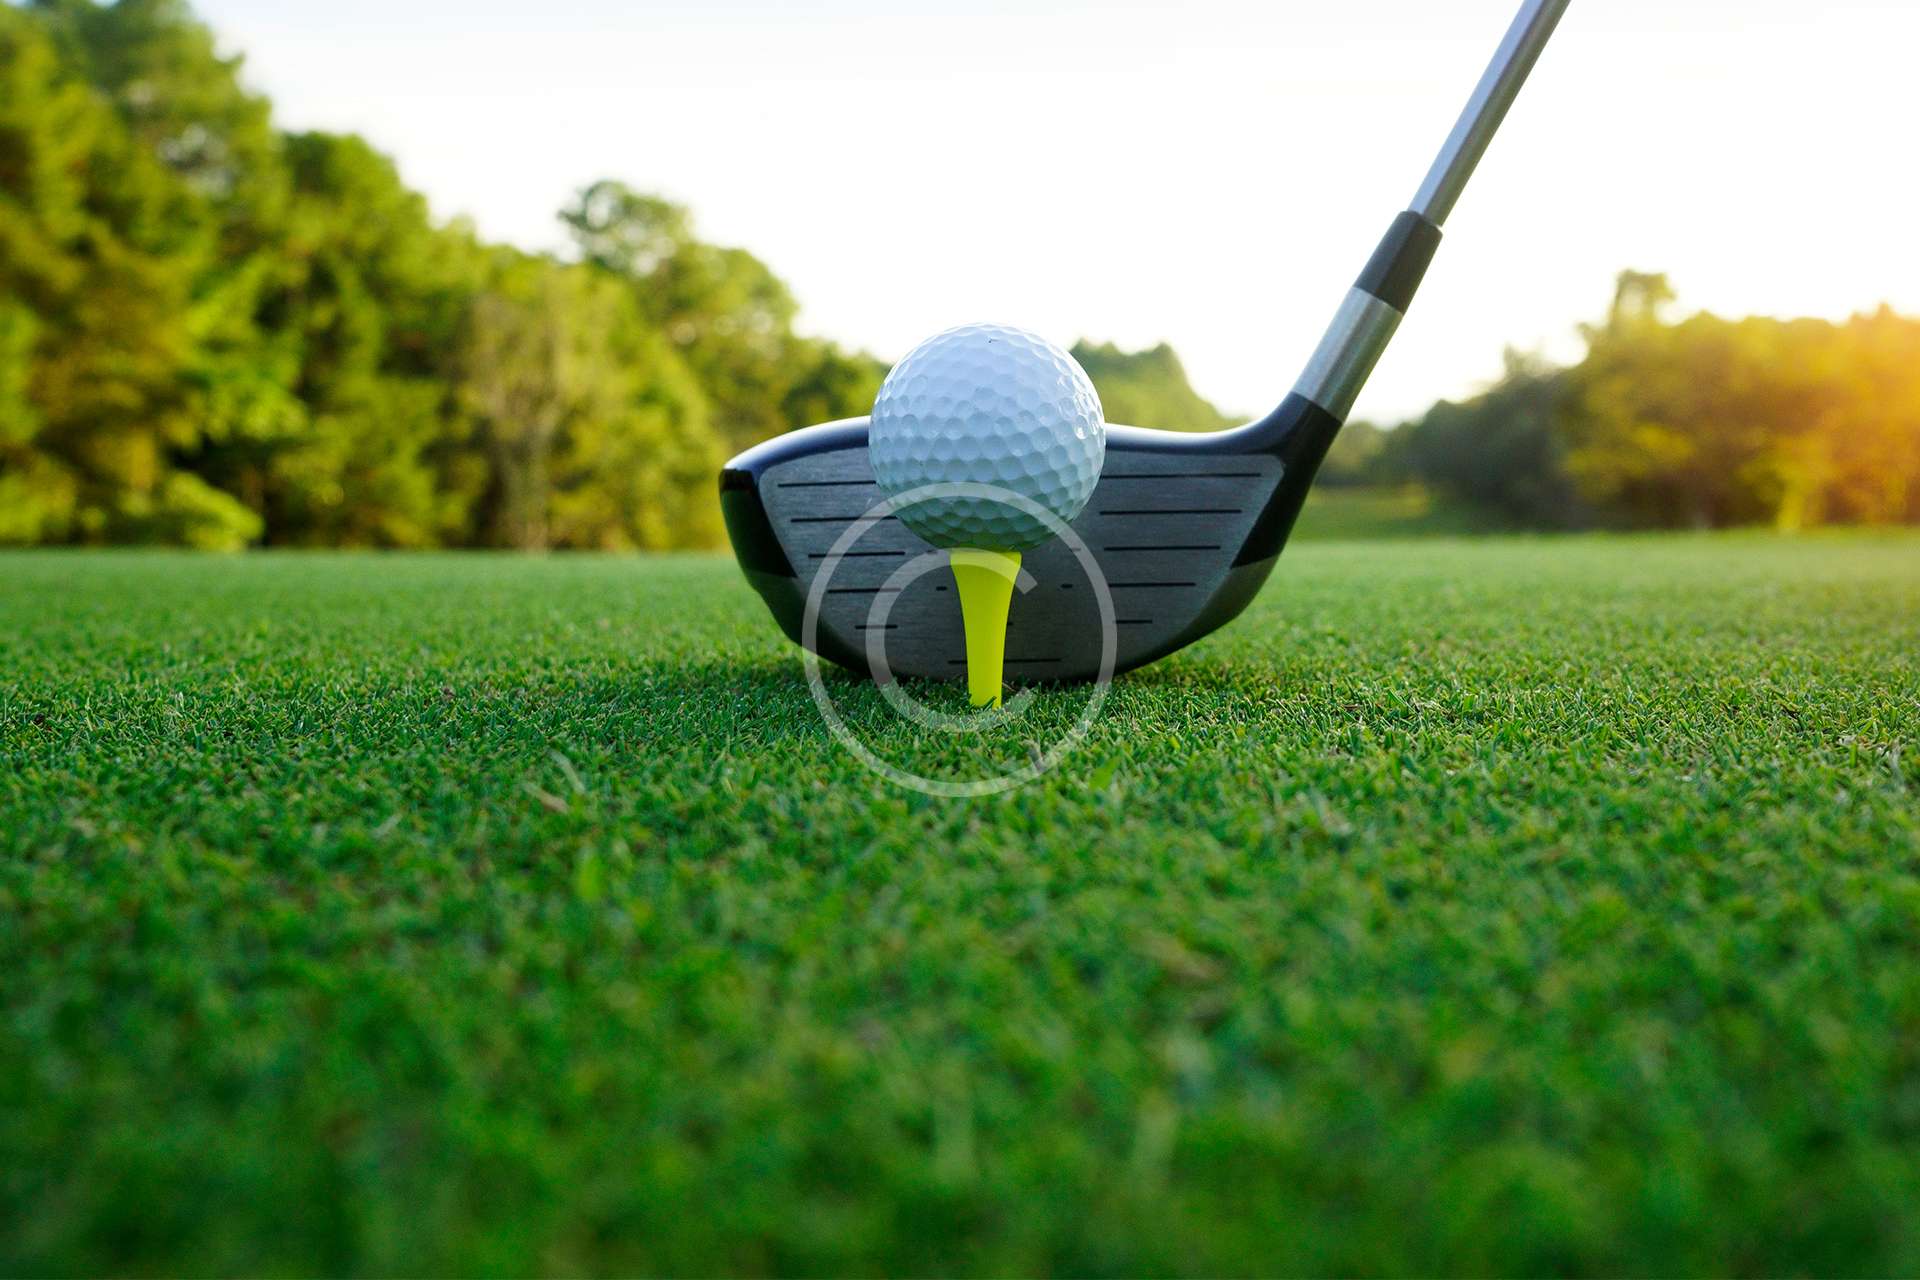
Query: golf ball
x=993, y=405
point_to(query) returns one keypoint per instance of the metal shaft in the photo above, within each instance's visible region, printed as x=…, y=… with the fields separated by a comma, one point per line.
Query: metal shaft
x=1486, y=108
x=1365, y=322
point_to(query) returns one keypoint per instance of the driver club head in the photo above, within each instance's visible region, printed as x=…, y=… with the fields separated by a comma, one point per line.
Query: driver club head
x=1182, y=529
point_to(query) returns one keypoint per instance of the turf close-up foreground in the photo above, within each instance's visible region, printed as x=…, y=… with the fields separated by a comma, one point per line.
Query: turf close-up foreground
x=1500, y=905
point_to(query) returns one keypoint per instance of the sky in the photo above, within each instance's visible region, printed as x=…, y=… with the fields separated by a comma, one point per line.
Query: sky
x=1205, y=173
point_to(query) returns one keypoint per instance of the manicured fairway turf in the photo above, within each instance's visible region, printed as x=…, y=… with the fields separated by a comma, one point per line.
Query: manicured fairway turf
x=1519, y=905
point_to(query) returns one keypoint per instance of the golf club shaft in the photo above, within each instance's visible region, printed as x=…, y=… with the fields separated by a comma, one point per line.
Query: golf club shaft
x=1484, y=111
x=1365, y=322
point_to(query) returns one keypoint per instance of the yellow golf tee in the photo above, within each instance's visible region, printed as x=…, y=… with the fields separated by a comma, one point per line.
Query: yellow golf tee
x=985, y=581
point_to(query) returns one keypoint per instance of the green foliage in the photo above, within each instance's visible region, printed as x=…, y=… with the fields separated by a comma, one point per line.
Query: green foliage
x=729, y=317
x=332, y=379
x=1703, y=422
x=1515, y=906
x=1715, y=422
x=100, y=247
x=1147, y=388
x=590, y=421
x=1502, y=450
x=214, y=334
x=181, y=102
x=1356, y=458
x=1347, y=511
x=833, y=384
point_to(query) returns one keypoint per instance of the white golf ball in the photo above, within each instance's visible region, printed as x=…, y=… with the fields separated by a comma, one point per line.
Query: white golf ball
x=994, y=405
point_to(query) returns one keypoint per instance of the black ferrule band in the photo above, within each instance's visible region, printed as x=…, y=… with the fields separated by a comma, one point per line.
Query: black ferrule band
x=1394, y=271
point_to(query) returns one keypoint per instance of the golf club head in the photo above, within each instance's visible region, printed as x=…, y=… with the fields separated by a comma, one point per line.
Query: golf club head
x=1181, y=530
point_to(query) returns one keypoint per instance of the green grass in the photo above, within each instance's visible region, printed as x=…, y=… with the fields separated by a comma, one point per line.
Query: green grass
x=1523, y=905
x=1380, y=511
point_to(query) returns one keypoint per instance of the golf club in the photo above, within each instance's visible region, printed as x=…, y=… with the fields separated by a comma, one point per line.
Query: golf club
x=1184, y=526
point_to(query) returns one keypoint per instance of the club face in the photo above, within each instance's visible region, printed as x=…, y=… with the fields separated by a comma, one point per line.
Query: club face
x=1182, y=530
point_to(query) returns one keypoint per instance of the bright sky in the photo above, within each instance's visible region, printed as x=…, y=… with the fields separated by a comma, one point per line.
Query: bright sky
x=1204, y=172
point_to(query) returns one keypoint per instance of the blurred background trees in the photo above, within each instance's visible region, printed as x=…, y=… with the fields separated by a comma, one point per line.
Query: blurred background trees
x=1701, y=422
x=1147, y=388
x=215, y=333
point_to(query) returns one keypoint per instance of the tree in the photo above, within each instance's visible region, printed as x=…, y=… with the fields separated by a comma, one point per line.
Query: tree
x=182, y=102
x=1639, y=298
x=1707, y=422
x=213, y=333
x=1358, y=456
x=641, y=476
x=183, y=107
x=1501, y=450
x=1700, y=422
x=1874, y=457
x=830, y=384
x=594, y=432
x=530, y=358
x=729, y=317
x=100, y=249
x=354, y=319
x=1146, y=388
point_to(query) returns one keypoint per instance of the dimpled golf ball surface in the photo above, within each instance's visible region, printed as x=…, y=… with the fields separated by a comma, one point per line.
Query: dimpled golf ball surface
x=993, y=405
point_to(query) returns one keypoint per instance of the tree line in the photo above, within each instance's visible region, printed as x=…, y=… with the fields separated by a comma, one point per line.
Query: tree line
x=1692, y=423
x=217, y=333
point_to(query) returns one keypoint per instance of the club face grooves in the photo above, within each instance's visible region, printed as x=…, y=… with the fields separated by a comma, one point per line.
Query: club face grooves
x=1184, y=529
